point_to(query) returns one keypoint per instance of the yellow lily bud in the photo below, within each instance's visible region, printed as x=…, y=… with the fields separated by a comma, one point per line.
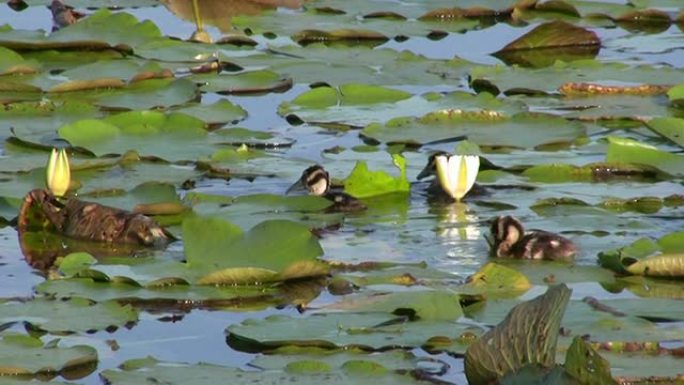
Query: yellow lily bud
x=457, y=173
x=58, y=173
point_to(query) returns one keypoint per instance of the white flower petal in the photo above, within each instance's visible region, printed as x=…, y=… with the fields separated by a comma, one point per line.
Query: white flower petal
x=457, y=173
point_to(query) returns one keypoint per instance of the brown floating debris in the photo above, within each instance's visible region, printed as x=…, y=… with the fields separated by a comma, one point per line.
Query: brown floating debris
x=578, y=89
x=90, y=221
x=598, y=306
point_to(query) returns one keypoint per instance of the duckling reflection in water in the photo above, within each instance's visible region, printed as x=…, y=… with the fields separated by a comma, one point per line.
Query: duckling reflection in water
x=454, y=176
x=509, y=240
x=316, y=181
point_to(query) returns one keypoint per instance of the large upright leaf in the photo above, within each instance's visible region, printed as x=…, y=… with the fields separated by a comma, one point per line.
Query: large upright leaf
x=364, y=183
x=527, y=336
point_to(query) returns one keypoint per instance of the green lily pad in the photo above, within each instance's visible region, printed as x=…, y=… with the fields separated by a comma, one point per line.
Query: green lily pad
x=372, y=331
x=486, y=128
x=423, y=305
x=321, y=107
x=249, y=82
x=494, y=278
x=670, y=128
x=27, y=356
x=247, y=211
x=164, y=292
x=146, y=94
x=139, y=372
x=359, y=64
x=11, y=63
x=349, y=95
x=587, y=365
x=141, y=131
x=548, y=42
x=391, y=360
x=74, y=315
x=676, y=95
x=31, y=120
x=552, y=78
x=75, y=262
x=223, y=111
x=593, y=172
x=102, y=29
x=631, y=151
x=213, y=244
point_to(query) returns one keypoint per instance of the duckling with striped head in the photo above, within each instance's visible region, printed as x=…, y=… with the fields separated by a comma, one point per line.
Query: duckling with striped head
x=509, y=240
x=316, y=181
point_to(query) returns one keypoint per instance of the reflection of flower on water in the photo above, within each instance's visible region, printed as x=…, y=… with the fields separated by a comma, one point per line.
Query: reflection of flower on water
x=459, y=230
x=458, y=224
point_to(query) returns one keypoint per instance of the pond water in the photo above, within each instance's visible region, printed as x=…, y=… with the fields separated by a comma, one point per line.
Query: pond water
x=437, y=245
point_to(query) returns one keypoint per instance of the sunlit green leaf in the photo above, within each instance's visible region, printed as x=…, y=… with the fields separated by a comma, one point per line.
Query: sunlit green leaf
x=363, y=182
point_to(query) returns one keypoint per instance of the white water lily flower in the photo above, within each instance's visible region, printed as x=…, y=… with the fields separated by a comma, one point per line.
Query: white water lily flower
x=58, y=173
x=457, y=173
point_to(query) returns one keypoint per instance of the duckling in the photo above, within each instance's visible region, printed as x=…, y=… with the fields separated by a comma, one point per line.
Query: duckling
x=436, y=189
x=317, y=182
x=509, y=240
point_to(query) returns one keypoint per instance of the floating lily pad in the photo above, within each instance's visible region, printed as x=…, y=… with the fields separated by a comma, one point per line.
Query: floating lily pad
x=74, y=315
x=28, y=356
x=249, y=82
x=370, y=331
x=486, y=128
x=422, y=305
x=676, y=95
x=670, y=128
x=248, y=210
x=630, y=151
x=141, y=131
x=102, y=29
x=548, y=42
x=551, y=78
x=139, y=372
x=12, y=63
x=321, y=106
x=212, y=244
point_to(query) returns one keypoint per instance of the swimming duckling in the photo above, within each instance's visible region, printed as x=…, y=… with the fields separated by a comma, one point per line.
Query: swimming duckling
x=509, y=240
x=317, y=182
x=462, y=172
